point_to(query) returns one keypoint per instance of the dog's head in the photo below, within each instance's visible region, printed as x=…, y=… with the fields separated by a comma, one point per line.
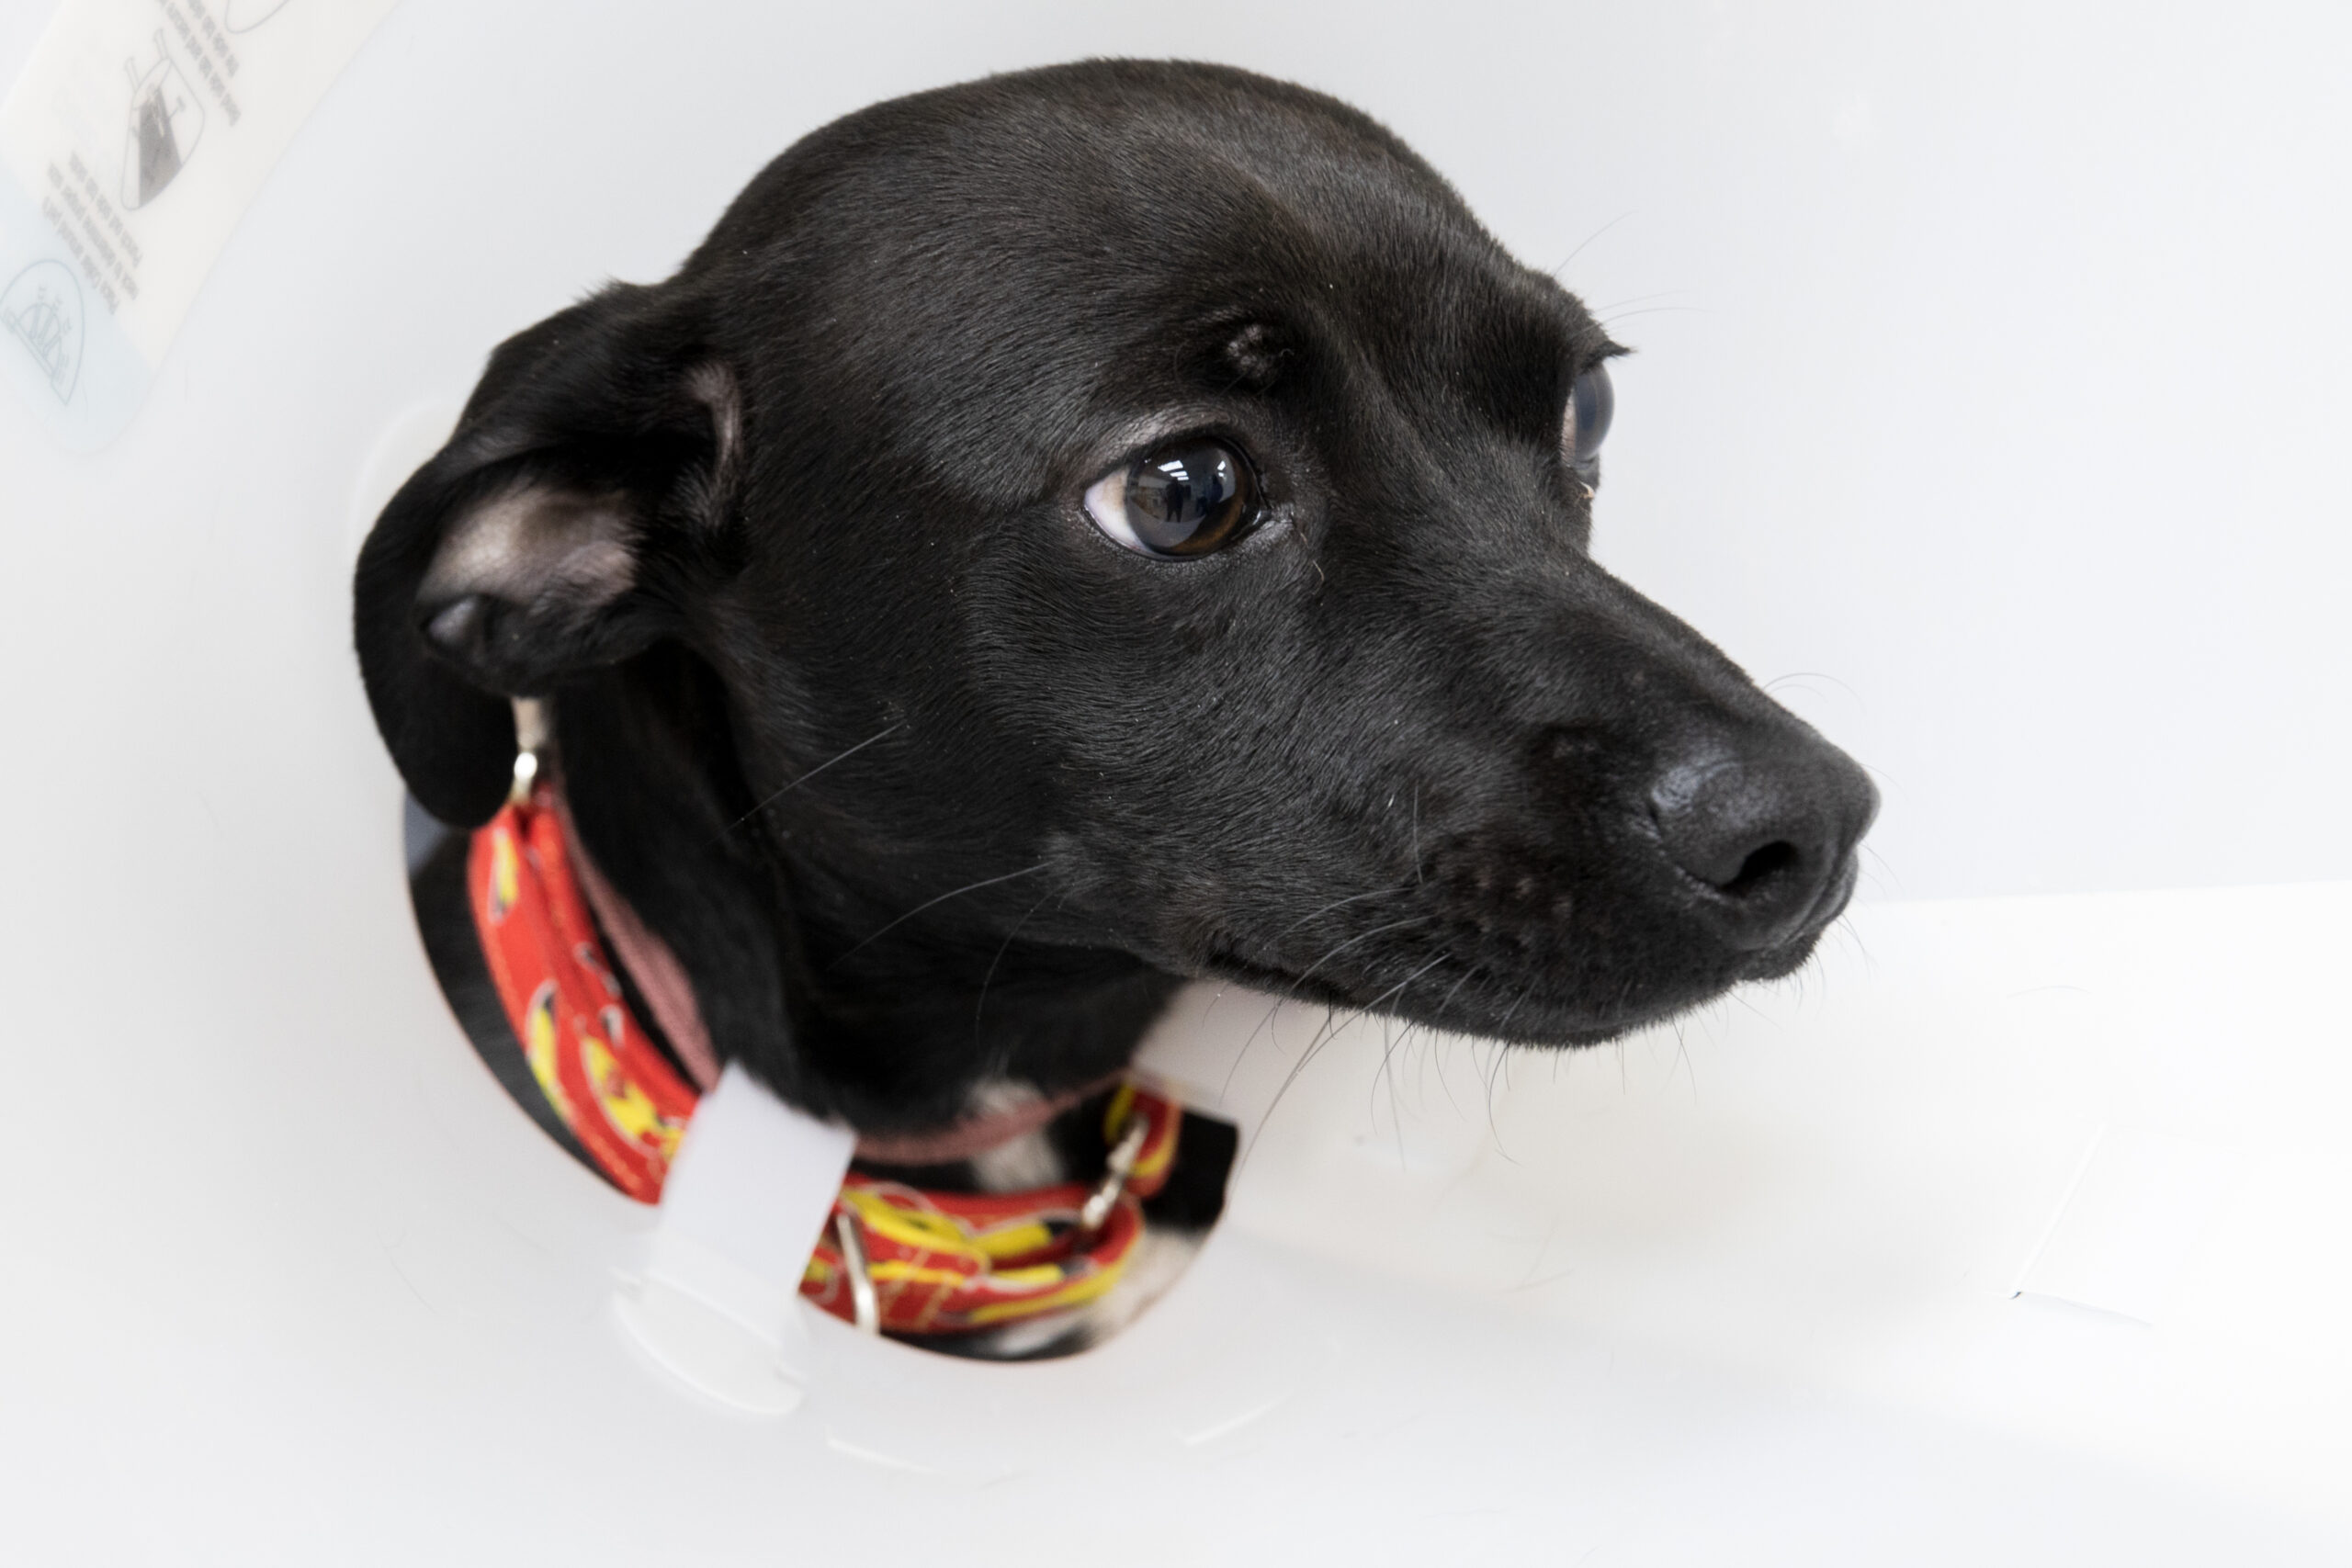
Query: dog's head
x=1129, y=509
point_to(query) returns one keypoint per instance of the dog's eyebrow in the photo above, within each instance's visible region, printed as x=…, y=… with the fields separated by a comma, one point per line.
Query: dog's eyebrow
x=1256, y=353
x=1584, y=340
x=1515, y=360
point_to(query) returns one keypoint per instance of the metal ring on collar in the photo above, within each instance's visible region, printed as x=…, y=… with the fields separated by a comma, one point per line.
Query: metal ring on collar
x=865, y=1307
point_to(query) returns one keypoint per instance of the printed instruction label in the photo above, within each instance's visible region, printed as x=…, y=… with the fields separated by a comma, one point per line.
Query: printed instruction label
x=138, y=135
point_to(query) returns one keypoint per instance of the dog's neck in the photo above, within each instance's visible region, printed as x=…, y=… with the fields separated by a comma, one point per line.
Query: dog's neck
x=930, y=1018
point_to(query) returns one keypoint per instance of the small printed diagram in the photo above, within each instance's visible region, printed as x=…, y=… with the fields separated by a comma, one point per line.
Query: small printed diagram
x=167, y=122
x=42, y=310
x=244, y=16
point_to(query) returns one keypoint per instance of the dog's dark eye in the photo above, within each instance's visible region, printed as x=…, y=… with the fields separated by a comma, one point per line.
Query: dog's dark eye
x=1591, y=402
x=1185, y=498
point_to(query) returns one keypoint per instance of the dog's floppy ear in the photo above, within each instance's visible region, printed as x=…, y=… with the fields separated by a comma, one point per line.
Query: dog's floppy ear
x=555, y=533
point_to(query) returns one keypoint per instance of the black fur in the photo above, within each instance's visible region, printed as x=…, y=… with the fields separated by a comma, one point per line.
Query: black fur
x=928, y=782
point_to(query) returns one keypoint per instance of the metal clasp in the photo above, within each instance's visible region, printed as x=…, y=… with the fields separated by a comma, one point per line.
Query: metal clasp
x=1116, y=1169
x=530, y=740
x=865, y=1308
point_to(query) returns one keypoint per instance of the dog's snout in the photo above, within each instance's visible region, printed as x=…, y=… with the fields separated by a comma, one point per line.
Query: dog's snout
x=1769, y=831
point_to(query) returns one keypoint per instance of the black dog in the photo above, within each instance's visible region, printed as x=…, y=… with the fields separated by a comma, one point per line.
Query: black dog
x=1074, y=532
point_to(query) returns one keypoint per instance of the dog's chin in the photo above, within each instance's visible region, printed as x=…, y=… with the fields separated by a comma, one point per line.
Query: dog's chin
x=1778, y=963
x=1572, y=1022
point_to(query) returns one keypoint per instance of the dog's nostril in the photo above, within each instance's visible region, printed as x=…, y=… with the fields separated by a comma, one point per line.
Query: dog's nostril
x=1760, y=866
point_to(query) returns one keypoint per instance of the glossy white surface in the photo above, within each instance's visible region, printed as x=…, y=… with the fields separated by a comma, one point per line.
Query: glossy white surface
x=284, y=1279
x=291, y=1282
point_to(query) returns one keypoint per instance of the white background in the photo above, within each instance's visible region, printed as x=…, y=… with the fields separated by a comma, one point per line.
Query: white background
x=1991, y=384
x=1991, y=372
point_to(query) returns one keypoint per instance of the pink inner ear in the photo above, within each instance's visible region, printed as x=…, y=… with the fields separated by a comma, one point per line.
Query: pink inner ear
x=522, y=545
x=597, y=571
x=649, y=963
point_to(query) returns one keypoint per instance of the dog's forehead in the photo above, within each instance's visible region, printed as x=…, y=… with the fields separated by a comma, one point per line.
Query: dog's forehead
x=1152, y=152
x=1037, y=240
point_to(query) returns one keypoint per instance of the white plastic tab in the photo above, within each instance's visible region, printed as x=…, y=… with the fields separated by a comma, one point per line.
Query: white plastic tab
x=719, y=1302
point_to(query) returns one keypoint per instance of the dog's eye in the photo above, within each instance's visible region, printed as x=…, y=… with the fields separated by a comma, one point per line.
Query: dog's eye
x=1591, y=402
x=1183, y=499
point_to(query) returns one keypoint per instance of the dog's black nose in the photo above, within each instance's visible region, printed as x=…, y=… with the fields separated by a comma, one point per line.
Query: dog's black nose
x=1768, y=828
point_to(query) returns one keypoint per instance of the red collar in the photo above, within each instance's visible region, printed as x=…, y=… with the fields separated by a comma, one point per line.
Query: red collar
x=937, y=1262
